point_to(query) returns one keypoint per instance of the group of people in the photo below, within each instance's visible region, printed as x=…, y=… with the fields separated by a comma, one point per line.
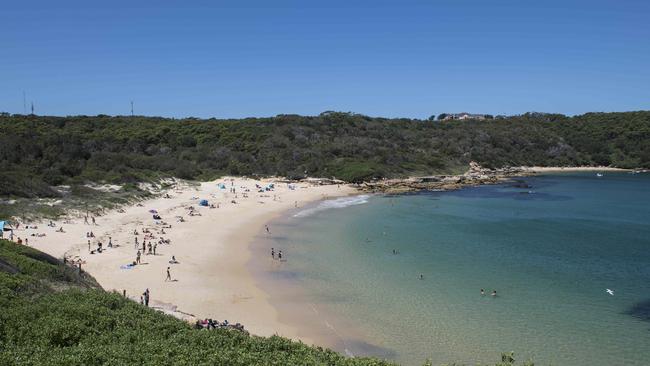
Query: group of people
x=273, y=254
x=493, y=294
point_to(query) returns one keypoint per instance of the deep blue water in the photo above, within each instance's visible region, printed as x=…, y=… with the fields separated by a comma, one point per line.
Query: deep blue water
x=550, y=250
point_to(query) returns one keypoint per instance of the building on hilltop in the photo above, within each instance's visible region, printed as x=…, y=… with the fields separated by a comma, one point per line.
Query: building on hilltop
x=461, y=116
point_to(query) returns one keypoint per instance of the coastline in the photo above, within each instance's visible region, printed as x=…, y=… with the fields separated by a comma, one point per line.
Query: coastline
x=313, y=320
x=211, y=279
x=216, y=276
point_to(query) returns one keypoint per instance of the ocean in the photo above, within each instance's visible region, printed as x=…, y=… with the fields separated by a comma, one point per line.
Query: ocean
x=400, y=276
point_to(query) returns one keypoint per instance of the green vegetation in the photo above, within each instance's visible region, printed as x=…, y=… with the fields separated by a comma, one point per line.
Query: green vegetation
x=54, y=315
x=38, y=153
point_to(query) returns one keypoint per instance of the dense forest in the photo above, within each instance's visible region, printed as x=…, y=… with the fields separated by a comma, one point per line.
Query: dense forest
x=38, y=152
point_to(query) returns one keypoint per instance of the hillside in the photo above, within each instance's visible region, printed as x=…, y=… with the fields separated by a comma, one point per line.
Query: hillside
x=37, y=153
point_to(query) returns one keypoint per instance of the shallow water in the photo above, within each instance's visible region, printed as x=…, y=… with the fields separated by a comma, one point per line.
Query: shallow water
x=550, y=251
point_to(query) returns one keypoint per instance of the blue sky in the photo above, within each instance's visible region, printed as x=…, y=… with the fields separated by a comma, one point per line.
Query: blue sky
x=381, y=58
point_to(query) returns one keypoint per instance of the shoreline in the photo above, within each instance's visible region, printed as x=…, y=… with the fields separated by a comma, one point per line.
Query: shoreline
x=221, y=282
x=212, y=279
x=312, y=320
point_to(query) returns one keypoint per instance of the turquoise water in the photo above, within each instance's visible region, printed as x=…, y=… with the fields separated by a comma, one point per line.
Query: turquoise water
x=550, y=251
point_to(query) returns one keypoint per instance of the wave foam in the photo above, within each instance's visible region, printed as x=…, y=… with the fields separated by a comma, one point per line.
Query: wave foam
x=335, y=203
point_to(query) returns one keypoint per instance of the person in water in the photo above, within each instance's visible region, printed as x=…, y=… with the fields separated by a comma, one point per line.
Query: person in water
x=494, y=293
x=482, y=292
x=421, y=276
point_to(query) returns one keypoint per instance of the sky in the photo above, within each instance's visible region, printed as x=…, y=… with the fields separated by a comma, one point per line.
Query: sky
x=408, y=58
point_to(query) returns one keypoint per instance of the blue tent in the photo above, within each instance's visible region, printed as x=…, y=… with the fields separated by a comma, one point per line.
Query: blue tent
x=203, y=202
x=2, y=228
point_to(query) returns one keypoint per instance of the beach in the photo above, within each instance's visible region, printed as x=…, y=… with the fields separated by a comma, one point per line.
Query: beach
x=211, y=246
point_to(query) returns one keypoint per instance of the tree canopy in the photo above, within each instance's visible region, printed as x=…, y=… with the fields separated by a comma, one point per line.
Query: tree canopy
x=38, y=152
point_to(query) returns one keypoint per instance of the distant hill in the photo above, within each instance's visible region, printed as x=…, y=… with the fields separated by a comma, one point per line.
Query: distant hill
x=39, y=152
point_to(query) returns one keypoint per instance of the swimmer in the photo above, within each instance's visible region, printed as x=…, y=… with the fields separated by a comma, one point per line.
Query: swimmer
x=494, y=293
x=482, y=292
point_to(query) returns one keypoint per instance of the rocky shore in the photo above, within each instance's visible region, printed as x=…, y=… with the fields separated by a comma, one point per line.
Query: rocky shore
x=476, y=175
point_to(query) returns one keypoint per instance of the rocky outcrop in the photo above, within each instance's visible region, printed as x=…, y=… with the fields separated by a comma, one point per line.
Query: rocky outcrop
x=475, y=175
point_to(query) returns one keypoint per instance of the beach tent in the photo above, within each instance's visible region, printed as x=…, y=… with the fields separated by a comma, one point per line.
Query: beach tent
x=203, y=202
x=222, y=186
x=2, y=228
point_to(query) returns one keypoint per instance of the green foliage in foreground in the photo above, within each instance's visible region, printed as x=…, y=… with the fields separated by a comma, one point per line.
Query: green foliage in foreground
x=37, y=153
x=53, y=315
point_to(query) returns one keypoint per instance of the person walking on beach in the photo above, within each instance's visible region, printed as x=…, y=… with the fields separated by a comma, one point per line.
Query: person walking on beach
x=154, y=249
x=273, y=253
x=93, y=218
x=89, y=245
x=137, y=258
x=267, y=229
x=86, y=220
x=146, y=297
x=169, y=275
x=110, y=242
x=280, y=255
x=136, y=243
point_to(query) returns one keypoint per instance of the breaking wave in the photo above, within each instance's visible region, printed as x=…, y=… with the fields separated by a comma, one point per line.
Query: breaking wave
x=335, y=203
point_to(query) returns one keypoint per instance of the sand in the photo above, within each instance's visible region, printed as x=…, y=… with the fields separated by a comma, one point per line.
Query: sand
x=211, y=279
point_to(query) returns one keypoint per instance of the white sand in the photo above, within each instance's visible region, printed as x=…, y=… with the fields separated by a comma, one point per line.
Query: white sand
x=211, y=279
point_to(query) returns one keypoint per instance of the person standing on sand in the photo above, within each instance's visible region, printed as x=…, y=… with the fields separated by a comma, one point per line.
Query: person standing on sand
x=280, y=255
x=110, y=242
x=89, y=245
x=136, y=243
x=93, y=218
x=267, y=229
x=273, y=253
x=154, y=249
x=86, y=220
x=169, y=275
x=137, y=258
x=146, y=297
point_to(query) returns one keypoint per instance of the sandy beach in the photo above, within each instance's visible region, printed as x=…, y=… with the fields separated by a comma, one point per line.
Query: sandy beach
x=211, y=279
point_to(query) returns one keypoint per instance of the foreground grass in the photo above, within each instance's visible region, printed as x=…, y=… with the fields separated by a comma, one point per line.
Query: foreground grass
x=53, y=315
